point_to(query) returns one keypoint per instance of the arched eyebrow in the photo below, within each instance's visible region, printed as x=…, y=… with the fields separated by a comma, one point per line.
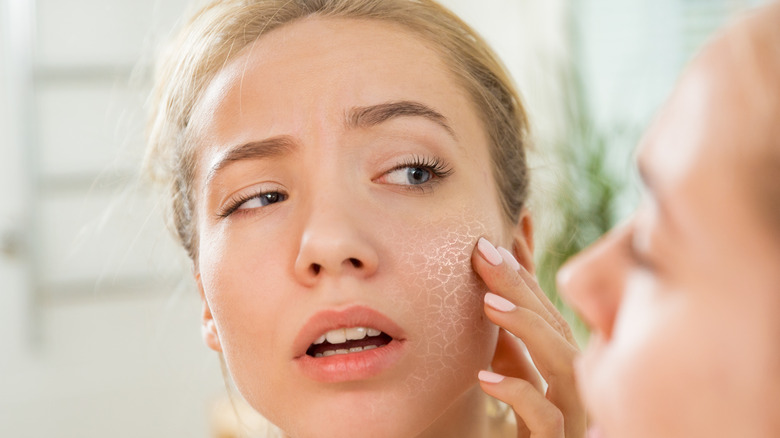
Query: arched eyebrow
x=253, y=150
x=368, y=116
x=358, y=117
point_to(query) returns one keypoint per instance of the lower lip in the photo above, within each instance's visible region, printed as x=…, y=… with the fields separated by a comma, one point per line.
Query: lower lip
x=352, y=366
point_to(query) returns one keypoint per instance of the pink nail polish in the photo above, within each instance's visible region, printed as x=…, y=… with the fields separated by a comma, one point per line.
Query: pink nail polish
x=509, y=258
x=489, y=377
x=489, y=252
x=499, y=303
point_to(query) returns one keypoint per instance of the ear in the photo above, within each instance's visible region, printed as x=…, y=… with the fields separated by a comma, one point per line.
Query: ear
x=523, y=241
x=208, y=328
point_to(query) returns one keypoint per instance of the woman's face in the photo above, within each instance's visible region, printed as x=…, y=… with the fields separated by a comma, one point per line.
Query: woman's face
x=683, y=298
x=343, y=178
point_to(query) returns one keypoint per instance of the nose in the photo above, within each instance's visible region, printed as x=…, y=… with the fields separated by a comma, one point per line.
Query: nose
x=593, y=281
x=335, y=242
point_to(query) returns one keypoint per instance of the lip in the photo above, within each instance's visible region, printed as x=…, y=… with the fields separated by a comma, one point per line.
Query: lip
x=347, y=367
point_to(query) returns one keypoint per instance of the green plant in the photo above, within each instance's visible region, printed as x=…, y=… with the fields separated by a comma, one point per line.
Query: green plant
x=584, y=199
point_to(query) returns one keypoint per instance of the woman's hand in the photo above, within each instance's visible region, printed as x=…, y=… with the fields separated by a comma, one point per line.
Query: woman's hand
x=518, y=305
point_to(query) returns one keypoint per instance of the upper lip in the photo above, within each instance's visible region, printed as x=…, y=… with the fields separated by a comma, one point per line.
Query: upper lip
x=332, y=319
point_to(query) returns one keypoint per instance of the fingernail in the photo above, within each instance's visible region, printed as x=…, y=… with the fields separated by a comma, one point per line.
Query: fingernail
x=509, y=258
x=499, y=303
x=489, y=252
x=489, y=377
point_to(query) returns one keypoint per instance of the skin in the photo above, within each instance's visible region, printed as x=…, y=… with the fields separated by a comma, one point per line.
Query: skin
x=682, y=298
x=349, y=229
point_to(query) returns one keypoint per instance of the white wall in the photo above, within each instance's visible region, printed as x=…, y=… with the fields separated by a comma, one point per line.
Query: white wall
x=100, y=325
x=12, y=196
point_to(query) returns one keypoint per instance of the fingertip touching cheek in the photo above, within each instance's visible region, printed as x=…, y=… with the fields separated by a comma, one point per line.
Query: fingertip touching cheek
x=436, y=261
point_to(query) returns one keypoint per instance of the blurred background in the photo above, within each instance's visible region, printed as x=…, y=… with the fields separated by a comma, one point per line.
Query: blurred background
x=99, y=319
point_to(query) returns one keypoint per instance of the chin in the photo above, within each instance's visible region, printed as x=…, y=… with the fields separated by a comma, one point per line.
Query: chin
x=356, y=420
x=403, y=410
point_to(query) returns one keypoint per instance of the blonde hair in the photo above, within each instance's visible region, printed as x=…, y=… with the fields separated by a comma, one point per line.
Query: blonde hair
x=219, y=32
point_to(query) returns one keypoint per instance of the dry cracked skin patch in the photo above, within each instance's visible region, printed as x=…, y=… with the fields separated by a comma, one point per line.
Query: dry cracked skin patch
x=457, y=338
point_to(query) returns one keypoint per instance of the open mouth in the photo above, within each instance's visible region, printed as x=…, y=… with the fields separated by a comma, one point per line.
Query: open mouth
x=347, y=341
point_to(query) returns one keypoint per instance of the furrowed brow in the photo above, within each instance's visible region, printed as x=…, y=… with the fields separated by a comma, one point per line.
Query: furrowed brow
x=364, y=117
x=254, y=150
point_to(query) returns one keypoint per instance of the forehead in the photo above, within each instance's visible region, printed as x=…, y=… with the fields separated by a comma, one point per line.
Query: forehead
x=710, y=131
x=702, y=153
x=320, y=64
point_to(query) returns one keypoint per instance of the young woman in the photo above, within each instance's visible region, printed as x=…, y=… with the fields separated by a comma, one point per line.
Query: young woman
x=338, y=170
x=683, y=298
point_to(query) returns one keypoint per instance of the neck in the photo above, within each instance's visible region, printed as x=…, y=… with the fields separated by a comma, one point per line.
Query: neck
x=468, y=416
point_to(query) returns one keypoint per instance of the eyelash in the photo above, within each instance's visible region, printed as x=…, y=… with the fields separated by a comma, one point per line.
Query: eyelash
x=438, y=167
x=236, y=202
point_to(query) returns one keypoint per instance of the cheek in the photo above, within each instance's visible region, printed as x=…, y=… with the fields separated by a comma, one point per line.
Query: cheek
x=625, y=380
x=668, y=371
x=444, y=295
x=239, y=297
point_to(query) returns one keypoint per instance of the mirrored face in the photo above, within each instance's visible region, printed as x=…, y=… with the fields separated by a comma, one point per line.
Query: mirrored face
x=343, y=178
x=682, y=299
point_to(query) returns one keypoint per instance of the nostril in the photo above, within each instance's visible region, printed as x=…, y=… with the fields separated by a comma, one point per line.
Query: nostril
x=315, y=269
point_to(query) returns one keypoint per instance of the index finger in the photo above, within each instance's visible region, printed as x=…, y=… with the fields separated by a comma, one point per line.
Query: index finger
x=505, y=279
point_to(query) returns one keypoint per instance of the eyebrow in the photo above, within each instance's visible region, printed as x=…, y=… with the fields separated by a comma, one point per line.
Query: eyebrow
x=358, y=117
x=254, y=150
x=368, y=116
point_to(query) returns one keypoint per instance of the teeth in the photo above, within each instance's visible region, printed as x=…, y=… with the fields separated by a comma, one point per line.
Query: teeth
x=356, y=333
x=329, y=353
x=336, y=336
x=339, y=336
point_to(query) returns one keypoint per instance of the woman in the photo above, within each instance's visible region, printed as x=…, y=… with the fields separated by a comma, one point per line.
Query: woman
x=683, y=298
x=333, y=167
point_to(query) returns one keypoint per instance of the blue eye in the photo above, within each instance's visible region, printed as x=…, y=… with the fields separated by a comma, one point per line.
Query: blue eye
x=417, y=172
x=409, y=176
